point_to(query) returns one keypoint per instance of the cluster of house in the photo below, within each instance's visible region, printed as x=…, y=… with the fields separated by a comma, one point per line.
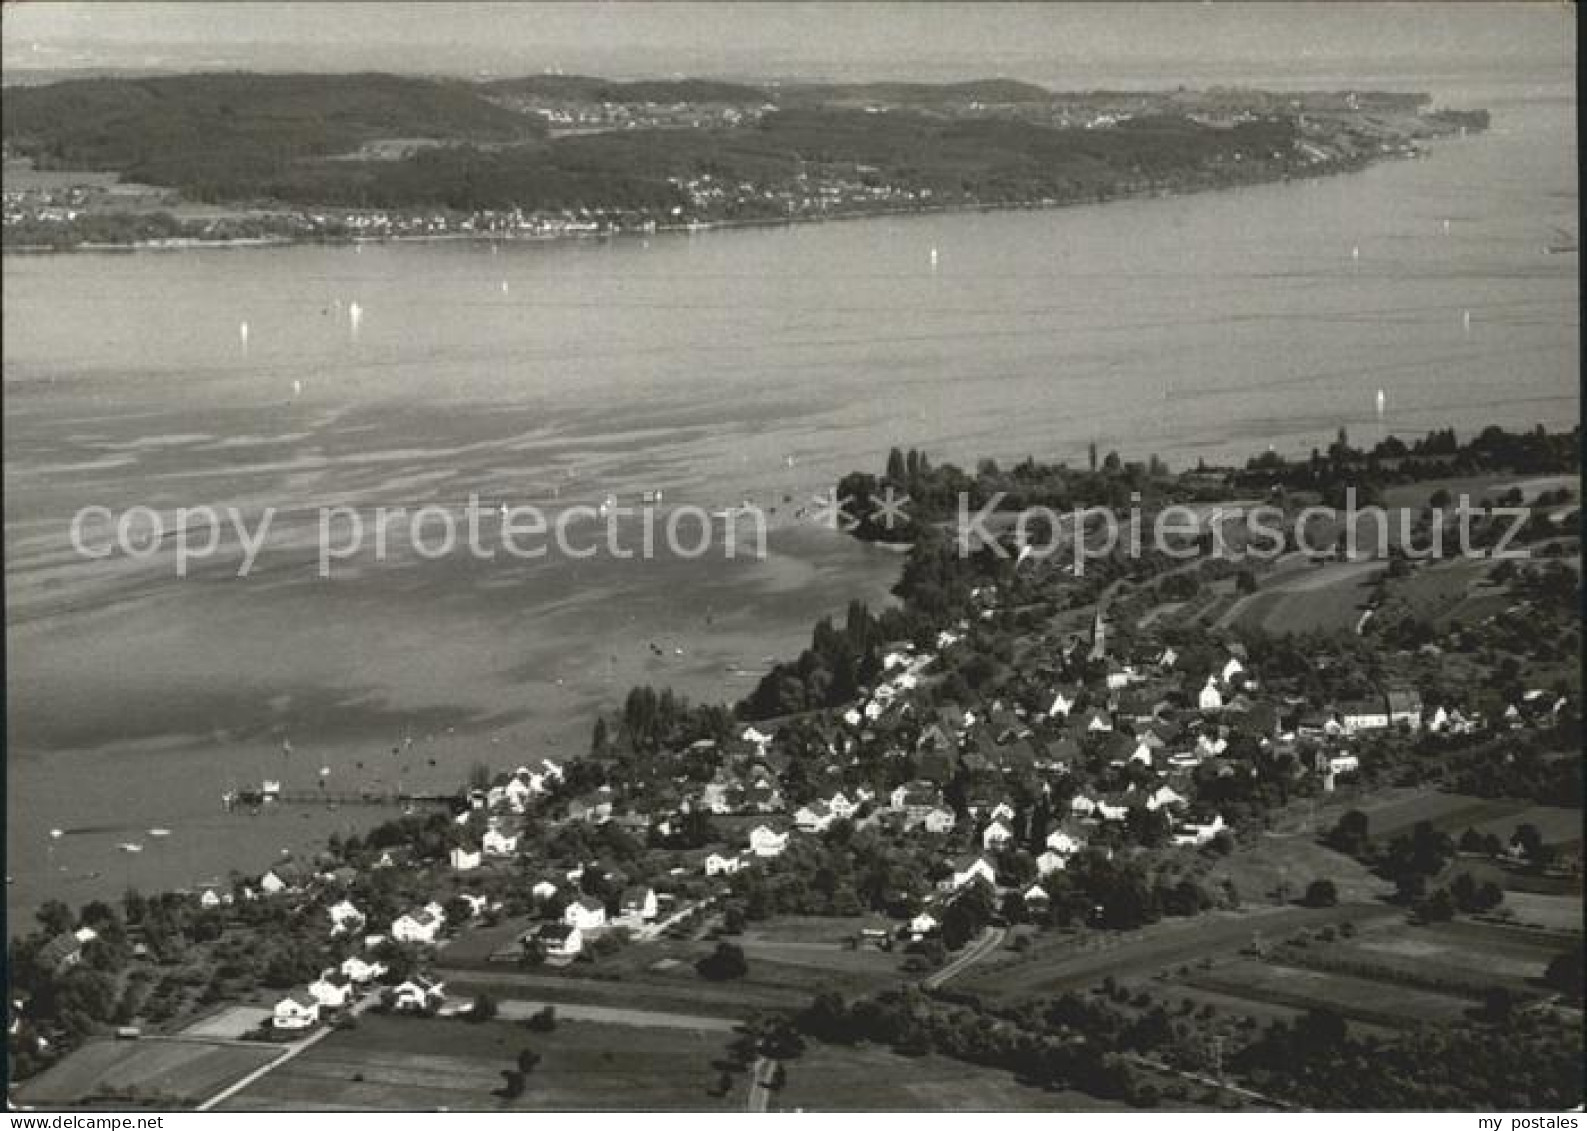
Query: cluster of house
x=1157, y=731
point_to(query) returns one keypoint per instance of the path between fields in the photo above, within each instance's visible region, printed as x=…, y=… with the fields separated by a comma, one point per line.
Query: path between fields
x=990, y=940
x=517, y=1009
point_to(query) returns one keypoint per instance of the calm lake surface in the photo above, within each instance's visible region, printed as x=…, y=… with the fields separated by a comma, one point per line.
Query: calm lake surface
x=715, y=366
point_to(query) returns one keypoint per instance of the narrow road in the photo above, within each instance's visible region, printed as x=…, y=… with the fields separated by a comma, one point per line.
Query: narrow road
x=990, y=940
x=760, y=1084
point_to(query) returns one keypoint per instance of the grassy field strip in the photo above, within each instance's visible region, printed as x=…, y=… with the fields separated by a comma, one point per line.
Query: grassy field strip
x=174, y=1073
x=519, y=1010
x=1355, y=998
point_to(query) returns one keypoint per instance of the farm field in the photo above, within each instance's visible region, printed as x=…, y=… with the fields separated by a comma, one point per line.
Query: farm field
x=1076, y=962
x=1395, y=811
x=393, y=1064
x=163, y=1073
x=1294, y=861
x=867, y=1078
x=1329, y=598
x=675, y=987
x=230, y=1024
x=1355, y=998
x=1480, y=951
x=1557, y=824
x=1550, y=912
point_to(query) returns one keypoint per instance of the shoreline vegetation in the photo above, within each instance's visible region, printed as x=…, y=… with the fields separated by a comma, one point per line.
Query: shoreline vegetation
x=263, y=160
x=994, y=714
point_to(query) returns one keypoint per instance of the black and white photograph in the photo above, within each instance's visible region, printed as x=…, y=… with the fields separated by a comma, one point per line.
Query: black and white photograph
x=810, y=557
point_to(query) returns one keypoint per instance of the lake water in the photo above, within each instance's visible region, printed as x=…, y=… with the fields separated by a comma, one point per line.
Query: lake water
x=714, y=366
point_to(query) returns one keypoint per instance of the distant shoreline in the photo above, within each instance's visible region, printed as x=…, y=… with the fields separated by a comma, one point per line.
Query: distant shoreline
x=182, y=243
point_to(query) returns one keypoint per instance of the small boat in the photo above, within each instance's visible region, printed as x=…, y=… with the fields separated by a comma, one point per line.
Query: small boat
x=159, y=832
x=129, y=846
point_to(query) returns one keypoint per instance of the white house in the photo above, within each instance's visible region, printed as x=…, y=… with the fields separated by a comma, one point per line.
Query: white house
x=1063, y=701
x=561, y=942
x=274, y=882
x=1210, y=698
x=1211, y=745
x=841, y=806
x=922, y=925
x=497, y=843
x=345, y=918
x=1111, y=812
x=543, y=891
x=1142, y=753
x=639, y=904
x=968, y=869
x=1364, y=714
x=298, y=1010
x=1161, y=796
x=1231, y=669
x=331, y=990
x=1081, y=805
x=586, y=914
x=1192, y=834
x=718, y=865
x=814, y=818
x=209, y=898
x=360, y=972
x=416, y=995
x=1002, y=811
x=1405, y=709
x=1036, y=897
x=420, y=926
x=1343, y=763
x=463, y=860
x=995, y=836
x=1049, y=862
x=939, y=821
x=766, y=841
x=1063, y=843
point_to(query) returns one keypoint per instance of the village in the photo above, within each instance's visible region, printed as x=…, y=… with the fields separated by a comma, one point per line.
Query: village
x=1005, y=797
